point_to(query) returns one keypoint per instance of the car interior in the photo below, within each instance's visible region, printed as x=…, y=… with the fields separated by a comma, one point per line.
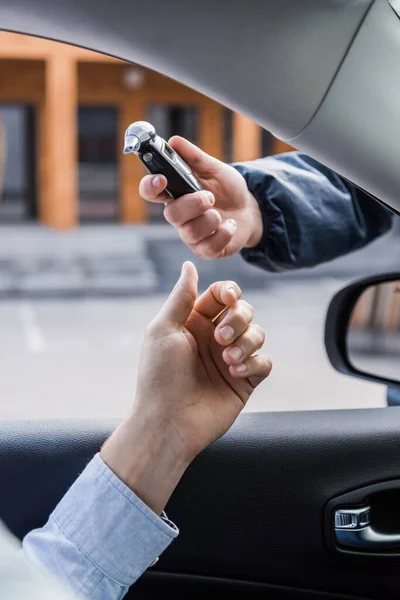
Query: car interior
x=286, y=505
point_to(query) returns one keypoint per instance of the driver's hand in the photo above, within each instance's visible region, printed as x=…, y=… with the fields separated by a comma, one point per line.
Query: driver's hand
x=198, y=368
x=216, y=222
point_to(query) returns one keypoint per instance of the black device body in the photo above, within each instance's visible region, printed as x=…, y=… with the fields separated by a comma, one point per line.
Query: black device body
x=160, y=159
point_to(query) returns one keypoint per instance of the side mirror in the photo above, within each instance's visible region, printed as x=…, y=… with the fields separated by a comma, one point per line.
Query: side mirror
x=362, y=331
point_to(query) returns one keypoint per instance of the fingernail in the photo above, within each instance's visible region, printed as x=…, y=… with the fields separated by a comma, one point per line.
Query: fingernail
x=236, y=353
x=189, y=265
x=241, y=368
x=233, y=291
x=185, y=265
x=183, y=269
x=157, y=181
x=211, y=198
x=227, y=333
x=231, y=225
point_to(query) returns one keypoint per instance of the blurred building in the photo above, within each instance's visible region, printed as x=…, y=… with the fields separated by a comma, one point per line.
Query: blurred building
x=64, y=111
x=378, y=308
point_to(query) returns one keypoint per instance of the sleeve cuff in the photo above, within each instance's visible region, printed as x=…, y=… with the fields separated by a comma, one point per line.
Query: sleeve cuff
x=257, y=183
x=111, y=526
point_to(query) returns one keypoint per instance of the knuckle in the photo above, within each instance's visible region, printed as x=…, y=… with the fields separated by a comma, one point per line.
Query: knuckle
x=195, y=249
x=209, y=223
x=202, y=201
x=253, y=340
x=170, y=214
x=187, y=297
x=250, y=312
x=268, y=365
x=259, y=334
x=151, y=329
x=214, y=248
x=190, y=233
x=214, y=218
x=145, y=188
x=208, y=252
x=242, y=320
x=246, y=309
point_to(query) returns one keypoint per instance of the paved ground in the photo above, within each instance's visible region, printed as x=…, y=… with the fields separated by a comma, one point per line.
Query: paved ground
x=78, y=358
x=116, y=261
x=74, y=306
x=375, y=352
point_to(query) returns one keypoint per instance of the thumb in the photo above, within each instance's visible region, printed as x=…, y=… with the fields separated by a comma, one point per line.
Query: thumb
x=201, y=163
x=178, y=306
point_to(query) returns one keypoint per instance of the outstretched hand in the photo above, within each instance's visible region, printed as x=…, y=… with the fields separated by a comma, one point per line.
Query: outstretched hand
x=198, y=368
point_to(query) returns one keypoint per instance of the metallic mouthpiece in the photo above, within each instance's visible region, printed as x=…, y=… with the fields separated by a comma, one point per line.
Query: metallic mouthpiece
x=131, y=144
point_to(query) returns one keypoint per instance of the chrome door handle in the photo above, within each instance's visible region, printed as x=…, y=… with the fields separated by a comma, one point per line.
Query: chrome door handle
x=353, y=530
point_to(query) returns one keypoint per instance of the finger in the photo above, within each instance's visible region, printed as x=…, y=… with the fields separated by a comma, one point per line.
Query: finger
x=234, y=322
x=152, y=188
x=202, y=227
x=214, y=246
x=178, y=306
x=203, y=164
x=217, y=297
x=245, y=345
x=255, y=369
x=188, y=207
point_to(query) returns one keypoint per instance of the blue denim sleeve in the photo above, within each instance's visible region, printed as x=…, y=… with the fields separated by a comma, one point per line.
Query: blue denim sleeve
x=101, y=537
x=310, y=214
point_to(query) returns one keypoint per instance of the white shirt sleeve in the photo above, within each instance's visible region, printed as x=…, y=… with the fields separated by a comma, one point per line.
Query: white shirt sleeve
x=101, y=537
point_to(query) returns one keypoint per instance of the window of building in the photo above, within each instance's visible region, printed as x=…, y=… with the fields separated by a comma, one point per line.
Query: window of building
x=267, y=143
x=17, y=164
x=98, y=163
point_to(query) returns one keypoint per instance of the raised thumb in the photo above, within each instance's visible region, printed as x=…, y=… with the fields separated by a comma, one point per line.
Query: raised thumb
x=178, y=306
x=201, y=163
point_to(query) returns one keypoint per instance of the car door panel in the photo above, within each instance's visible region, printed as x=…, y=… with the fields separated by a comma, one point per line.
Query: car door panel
x=153, y=585
x=251, y=508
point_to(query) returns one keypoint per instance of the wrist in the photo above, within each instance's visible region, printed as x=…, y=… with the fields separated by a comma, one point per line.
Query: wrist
x=148, y=456
x=255, y=219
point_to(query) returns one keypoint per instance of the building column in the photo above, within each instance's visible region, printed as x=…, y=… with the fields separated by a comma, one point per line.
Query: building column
x=279, y=147
x=363, y=310
x=211, y=123
x=246, y=139
x=133, y=209
x=58, y=199
x=392, y=317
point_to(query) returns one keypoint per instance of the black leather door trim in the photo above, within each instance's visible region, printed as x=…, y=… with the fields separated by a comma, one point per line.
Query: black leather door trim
x=157, y=585
x=251, y=507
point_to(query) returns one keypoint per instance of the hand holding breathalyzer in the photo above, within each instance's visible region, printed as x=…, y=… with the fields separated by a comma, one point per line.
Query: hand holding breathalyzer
x=216, y=221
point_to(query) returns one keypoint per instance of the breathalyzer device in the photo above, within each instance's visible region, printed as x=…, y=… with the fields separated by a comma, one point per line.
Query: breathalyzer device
x=160, y=159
